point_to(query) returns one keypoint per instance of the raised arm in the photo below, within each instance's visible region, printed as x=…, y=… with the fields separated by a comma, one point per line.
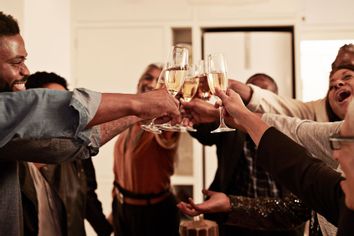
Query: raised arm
x=157, y=103
x=309, y=179
x=310, y=134
x=110, y=129
x=262, y=100
x=43, y=113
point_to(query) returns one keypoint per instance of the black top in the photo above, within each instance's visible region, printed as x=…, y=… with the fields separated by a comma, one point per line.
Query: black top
x=285, y=213
x=310, y=179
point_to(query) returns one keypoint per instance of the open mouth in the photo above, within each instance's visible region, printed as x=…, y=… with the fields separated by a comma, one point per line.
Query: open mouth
x=343, y=95
x=19, y=85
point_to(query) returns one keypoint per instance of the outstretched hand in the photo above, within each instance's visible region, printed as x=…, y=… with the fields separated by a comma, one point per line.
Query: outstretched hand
x=159, y=103
x=235, y=109
x=217, y=202
x=198, y=111
x=231, y=101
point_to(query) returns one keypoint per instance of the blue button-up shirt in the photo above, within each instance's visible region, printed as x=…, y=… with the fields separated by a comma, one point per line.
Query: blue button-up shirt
x=40, y=114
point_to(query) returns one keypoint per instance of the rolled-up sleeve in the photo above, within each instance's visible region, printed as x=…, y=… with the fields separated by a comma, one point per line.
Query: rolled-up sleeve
x=87, y=103
x=44, y=113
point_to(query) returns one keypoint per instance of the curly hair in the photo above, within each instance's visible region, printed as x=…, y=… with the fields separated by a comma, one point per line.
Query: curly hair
x=263, y=76
x=344, y=58
x=40, y=78
x=8, y=25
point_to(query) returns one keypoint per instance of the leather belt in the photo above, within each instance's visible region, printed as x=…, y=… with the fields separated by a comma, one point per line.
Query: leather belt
x=140, y=200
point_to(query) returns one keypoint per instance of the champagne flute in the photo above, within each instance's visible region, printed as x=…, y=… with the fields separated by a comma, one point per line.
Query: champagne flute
x=203, y=88
x=176, y=68
x=217, y=78
x=190, y=88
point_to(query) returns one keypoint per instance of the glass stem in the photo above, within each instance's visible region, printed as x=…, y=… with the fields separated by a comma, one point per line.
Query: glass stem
x=221, y=111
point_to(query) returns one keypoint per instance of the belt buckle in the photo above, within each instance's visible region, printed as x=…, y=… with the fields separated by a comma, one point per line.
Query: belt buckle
x=120, y=197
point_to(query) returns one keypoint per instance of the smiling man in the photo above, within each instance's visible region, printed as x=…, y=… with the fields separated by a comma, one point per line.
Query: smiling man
x=13, y=70
x=35, y=117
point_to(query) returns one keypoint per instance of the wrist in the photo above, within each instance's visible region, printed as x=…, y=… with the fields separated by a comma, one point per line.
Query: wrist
x=135, y=105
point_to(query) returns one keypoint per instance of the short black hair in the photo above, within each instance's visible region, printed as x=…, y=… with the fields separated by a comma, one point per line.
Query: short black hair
x=264, y=76
x=8, y=25
x=40, y=78
x=344, y=59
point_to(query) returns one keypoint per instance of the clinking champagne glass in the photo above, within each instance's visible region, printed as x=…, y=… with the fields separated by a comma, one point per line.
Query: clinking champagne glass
x=189, y=88
x=217, y=78
x=151, y=127
x=203, y=88
x=176, y=68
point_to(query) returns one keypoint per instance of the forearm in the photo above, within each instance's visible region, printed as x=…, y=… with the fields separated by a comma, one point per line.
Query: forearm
x=110, y=129
x=264, y=213
x=242, y=89
x=310, y=134
x=113, y=107
x=253, y=125
x=265, y=101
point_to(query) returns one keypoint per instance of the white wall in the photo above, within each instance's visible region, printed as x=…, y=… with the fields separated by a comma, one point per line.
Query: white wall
x=46, y=31
x=14, y=8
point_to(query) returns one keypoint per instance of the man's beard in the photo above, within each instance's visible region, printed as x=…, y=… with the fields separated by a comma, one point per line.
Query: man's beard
x=9, y=88
x=6, y=88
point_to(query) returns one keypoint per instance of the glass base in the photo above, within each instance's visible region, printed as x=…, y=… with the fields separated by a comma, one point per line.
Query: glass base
x=191, y=129
x=222, y=129
x=151, y=128
x=168, y=127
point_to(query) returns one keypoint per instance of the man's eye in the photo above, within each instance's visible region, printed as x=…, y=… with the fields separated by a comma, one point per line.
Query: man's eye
x=347, y=77
x=17, y=63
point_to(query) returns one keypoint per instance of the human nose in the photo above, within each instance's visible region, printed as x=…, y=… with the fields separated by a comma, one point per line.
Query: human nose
x=24, y=70
x=338, y=84
x=335, y=154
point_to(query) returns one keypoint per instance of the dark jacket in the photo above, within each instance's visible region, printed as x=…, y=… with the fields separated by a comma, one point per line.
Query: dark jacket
x=74, y=182
x=229, y=150
x=11, y=218
x=286, y=220
x=310, y=179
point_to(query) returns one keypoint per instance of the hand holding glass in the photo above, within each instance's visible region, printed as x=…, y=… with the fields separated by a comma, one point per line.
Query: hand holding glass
x=217, y=78
x=176, y=68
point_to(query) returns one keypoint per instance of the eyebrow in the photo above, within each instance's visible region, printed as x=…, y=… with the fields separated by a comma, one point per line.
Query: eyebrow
x=17, y=57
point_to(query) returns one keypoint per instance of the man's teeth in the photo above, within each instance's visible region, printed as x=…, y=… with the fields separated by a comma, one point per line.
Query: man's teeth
x=19, y=87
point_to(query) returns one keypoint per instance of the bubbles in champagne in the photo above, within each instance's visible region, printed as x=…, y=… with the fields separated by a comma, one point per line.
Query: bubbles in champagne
x=216, y=80
x=174, y=79
x=189, y=88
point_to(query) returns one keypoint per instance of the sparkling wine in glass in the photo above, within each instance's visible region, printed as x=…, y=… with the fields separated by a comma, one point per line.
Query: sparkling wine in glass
x=174, y=79
x=217, y=78
x=203, y=88
x=176, y=68
x=190, y=88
